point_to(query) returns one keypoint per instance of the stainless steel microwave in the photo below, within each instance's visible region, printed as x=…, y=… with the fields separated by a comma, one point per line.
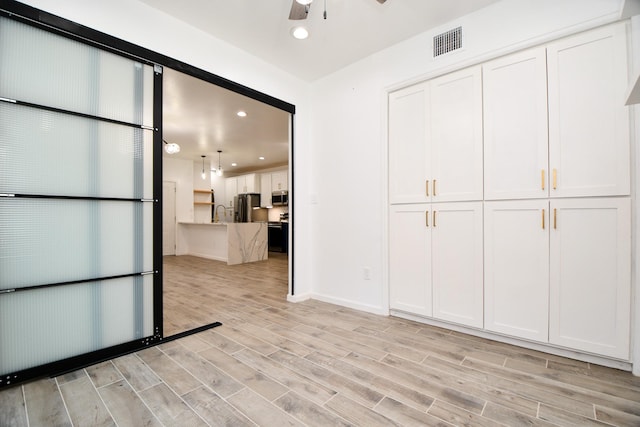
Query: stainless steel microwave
x=280, y=198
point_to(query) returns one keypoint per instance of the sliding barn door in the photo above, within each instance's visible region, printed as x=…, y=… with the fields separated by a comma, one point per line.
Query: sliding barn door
x=77, y=205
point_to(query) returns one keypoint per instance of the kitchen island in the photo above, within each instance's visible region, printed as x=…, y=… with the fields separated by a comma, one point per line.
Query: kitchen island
x=230, y=242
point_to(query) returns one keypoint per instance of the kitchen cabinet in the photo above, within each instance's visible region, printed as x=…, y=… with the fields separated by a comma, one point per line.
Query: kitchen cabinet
x=435, y=140
x=230, y=191
x=455, y=125
x=279, y=181
x=588, y=121
x=590, y=275
x=265, y=190
x=515, y=126
x=248, y=183
x=410, y=258
x=409, y=147
x=516, y=268
x=436, y=260
x=456, y=239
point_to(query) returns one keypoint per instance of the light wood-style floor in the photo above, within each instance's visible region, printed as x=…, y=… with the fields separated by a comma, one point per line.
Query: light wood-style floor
x=275, y=363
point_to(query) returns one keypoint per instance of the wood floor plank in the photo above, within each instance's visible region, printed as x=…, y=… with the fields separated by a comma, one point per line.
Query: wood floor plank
x=136, y=372
x=510, y=417
x=302, y=385
x=208, y=374
x=214, y=410
x=170, y=372
x=246, y=339
x=430, y=388
x=407, y=416
x=126, y=407
x=45, y=406
x=13, y=411
x=471, y=387
x=356, y=414
x=341, y=343
x=616, y=418
x=104, y=373
x=276, y=339
x=564, y=418
x=260, y=411
x=84, y=404
x=221, y=342
x=365, y=395
x=244, y=374
x=458, y=416
x=308, y=412
x=403, y=394
x=169, y=408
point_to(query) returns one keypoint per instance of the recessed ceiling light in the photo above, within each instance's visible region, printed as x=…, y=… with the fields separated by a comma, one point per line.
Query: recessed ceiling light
x=300, y=33
x=260, y=158
x=242, y=113
x=234, y=164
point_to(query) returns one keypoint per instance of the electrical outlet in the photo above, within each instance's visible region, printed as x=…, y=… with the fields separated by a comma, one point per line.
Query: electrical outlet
x=366, y=273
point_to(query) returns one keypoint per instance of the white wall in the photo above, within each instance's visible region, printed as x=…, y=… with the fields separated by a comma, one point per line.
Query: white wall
x=142, y=25
x=349, y=156
x=180, y=172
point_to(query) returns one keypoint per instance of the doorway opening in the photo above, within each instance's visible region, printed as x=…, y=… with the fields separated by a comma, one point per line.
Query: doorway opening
x=233, y=148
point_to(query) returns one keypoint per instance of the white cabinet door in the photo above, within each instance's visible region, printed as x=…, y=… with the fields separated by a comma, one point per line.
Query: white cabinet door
x=516, y=269
x=455, y=125
x=279, y=181
x=265, y=190
x=409, y=154
x=230, y=191
x=410, y=259
x=588, y=121
x=251, y=183
x=456, y=244
x=590, y=282
x=515, y=126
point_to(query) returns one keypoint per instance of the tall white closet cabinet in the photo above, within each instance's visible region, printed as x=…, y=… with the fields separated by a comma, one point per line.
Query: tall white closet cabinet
x=533, y=151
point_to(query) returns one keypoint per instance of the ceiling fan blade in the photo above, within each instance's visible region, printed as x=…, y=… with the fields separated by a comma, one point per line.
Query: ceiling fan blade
x=298, y=11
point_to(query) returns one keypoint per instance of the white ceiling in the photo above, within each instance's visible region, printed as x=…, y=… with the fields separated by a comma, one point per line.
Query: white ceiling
x=353, y=29
x=202, y=117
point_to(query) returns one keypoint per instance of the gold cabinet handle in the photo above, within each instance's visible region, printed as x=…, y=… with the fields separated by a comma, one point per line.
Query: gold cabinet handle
x=434, y=187
x=427, y=217
x=543, y=219
x=555, y=179
x=427, y=186
x=542, y=173
x=555, y=222
x=434, y=219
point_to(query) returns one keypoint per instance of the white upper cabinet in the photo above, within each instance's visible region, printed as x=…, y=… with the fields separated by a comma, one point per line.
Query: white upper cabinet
x=230, y=191
x=456, y=242
x=279, y=181
x=516, y=268
x=515, y=126
x=248, y=183
x=410, y=258
x=409, y=147
x=455, y=124
x=265, y=190
x=588, y=121
x=590, y=275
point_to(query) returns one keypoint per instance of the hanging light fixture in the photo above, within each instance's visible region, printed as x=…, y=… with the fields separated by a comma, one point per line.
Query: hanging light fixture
x=204, y=174
x=171, y=147
x=304, y=2
x=219, y=170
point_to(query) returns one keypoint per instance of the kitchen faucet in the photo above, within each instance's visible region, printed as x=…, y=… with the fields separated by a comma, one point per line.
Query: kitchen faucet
x=216, y=218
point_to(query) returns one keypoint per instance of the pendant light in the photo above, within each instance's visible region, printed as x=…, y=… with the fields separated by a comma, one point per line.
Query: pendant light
x=171, y=147
x=219, y=170
x=204, y=174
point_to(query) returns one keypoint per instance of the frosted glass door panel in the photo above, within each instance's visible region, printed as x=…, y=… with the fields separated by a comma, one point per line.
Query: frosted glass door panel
x=53, y=241
x=47, y=69
x=62, y=321
x=53, y=153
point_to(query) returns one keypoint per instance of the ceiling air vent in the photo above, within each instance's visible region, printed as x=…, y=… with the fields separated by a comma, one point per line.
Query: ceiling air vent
x=447, y=42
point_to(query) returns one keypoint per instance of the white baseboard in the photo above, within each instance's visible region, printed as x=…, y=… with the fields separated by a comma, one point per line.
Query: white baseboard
x=352, y=304
x=298, y=298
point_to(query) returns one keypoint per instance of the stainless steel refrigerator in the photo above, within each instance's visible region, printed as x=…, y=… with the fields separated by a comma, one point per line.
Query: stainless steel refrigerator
x=243, y=205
